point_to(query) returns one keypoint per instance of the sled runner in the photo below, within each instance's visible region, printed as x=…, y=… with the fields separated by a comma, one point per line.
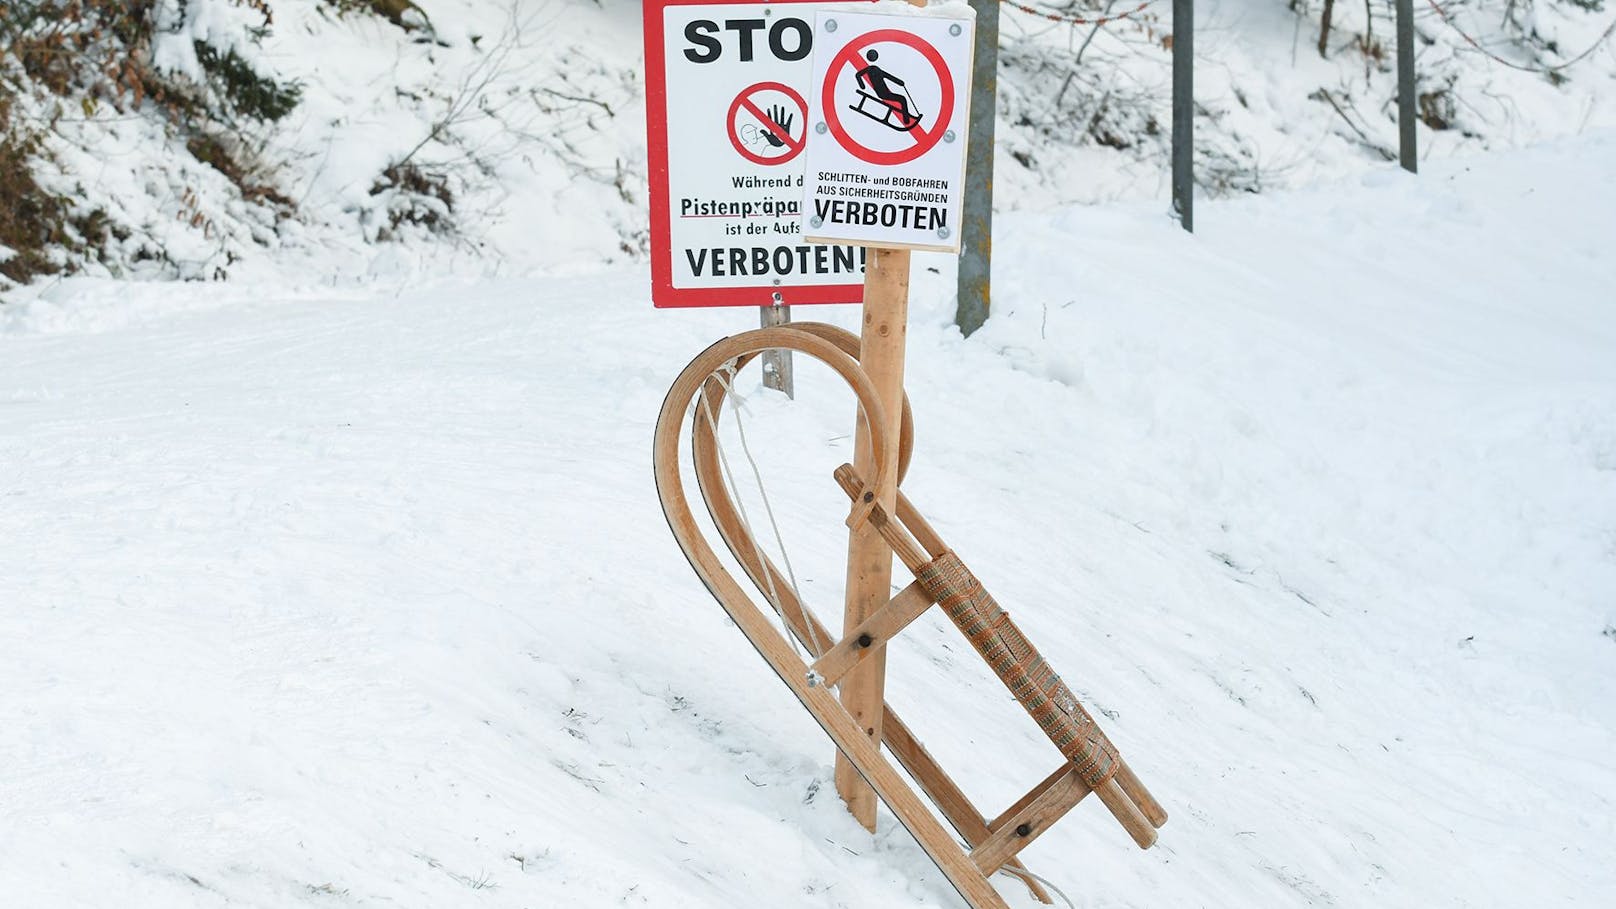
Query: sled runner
x=1092, y=763
x=892, y=114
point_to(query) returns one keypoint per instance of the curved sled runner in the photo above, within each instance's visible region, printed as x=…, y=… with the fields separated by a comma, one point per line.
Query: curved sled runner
x=1092, y=763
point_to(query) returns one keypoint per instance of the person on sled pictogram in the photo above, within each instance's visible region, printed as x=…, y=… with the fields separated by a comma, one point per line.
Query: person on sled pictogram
x=897, y=111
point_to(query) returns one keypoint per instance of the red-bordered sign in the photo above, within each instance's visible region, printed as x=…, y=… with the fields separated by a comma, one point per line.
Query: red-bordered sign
x=924, y=140
x=657, y=53
x=766, y=131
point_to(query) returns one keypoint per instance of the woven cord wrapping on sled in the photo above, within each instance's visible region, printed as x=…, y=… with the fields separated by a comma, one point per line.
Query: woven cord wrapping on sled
x=1022, y=669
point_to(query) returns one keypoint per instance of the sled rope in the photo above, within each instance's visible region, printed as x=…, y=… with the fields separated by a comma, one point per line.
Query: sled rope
x=1026, y=876
x=773, y=595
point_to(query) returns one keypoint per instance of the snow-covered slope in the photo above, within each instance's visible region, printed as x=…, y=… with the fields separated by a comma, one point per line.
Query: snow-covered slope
x=364, y=599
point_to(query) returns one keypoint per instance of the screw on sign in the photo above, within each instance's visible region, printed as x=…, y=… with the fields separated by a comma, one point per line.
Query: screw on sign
x=899, y=87
x=768, y=123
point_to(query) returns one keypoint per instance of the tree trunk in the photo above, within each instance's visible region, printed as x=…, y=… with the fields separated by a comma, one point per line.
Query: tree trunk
x=1324, y=29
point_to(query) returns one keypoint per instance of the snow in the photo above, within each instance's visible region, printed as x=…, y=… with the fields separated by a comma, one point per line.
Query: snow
x=362, y=596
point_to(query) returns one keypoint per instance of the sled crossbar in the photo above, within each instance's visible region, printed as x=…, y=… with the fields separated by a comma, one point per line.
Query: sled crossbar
x=874, y=631
x=1092, y=764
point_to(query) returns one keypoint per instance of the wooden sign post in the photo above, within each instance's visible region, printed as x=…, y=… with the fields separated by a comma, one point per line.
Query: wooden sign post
x=890, y=109
x=869, y=558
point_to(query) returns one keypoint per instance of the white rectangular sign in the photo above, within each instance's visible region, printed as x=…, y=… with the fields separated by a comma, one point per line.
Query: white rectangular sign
x=727, y=112
x=890, y=106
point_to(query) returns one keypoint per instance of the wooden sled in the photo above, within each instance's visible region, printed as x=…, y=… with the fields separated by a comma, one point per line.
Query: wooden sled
x=905, y=122
x=1092, y=763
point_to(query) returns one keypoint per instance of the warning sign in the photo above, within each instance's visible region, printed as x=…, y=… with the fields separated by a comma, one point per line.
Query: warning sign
x=727, y=99
x=767, y=122
x=886, y=152
x=885, y=98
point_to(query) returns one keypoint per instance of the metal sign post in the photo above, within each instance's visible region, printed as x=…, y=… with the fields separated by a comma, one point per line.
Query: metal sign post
x=975, y=280
x=1184, y=112
x=1405, y=86
x=777, y=363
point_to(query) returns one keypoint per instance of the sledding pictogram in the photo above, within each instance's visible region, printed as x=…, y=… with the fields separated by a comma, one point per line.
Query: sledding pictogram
x=768, y=123
x=885, y=156
x=864, y=78
x=875, y=84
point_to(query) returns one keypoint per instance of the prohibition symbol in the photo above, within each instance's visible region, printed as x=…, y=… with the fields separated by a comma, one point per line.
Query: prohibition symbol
x=768, y=123
x=891, y=110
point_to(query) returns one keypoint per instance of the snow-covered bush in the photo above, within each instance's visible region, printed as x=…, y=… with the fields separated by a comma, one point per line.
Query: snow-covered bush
x=184, y=69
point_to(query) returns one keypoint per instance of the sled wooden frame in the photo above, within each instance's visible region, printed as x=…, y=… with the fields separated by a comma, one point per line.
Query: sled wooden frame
x=994, y=843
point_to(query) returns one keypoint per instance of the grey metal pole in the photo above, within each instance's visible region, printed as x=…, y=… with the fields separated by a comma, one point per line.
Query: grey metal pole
x=1184, y=112
x=1405, y=86
x=976, y=234
x=777, y=363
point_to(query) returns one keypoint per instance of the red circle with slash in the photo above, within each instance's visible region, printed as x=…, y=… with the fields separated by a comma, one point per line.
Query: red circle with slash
x=849, y=56
x=746, y=101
